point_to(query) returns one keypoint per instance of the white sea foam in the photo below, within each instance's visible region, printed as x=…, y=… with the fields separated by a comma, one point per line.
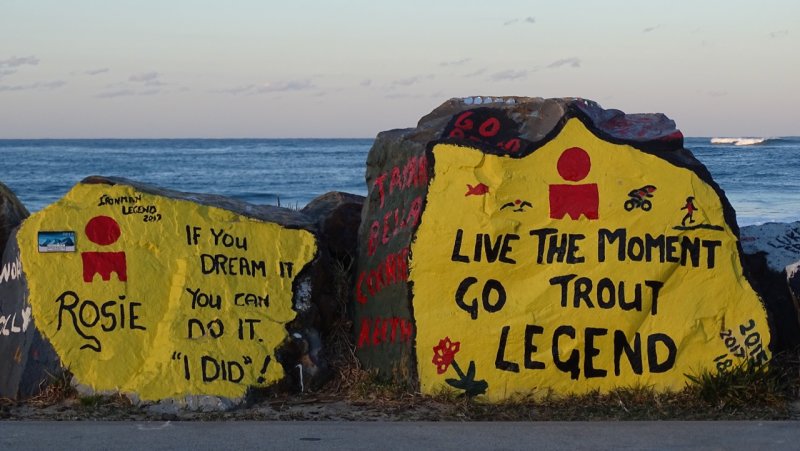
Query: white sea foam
x=738, y=141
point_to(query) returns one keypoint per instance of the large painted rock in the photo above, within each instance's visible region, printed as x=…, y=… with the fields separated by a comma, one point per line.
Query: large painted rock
x=770, y=249
x=513, y=245
x=168, y=295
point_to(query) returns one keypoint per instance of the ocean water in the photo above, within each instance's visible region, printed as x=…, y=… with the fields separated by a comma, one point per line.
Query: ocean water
x=289, y=172
x=759, y=176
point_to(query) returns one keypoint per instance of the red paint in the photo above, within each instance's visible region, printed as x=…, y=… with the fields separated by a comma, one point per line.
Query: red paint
x=104, y=263
x=478, y=190
x=376, y=331
x=510, y=146
x=102, y=230
x=574, y=164
x=574, y=200
x=444, y=353
x=392, y=270
x=392, y=223
x=414, y=173
x=489, y=131
x=489, y=128
x=463, y=123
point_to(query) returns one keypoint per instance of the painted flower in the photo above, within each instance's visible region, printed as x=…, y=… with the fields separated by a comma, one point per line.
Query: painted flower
x=444, y=353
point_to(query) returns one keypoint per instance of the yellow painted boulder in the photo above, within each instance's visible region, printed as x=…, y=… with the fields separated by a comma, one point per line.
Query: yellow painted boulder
x=565, y=248
x=168, y=295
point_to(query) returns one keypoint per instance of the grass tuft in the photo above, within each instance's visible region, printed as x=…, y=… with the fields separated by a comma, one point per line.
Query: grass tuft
x=746, y=385
x=57, y=390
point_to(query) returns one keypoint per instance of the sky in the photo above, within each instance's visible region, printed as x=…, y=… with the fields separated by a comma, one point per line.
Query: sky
x=337, y=69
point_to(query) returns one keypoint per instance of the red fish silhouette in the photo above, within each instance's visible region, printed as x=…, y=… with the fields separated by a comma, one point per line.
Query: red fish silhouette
x=478, y=190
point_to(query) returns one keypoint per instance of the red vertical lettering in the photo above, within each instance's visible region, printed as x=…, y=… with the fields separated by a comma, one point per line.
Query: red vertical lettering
x=414, y=211
x=422, y=171
x=363, y=335
x=410, y=173
x=396, y=181
x=359, y=288
x=379, y=181
x=390, y=267
x=372, y=243
x=407, y=329
x=385, y=236
x=395, y=327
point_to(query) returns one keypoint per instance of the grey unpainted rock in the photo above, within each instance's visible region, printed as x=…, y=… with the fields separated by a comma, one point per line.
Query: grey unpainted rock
x=770, y=250
x=793, y=280
x=12, y=212
x=27, y=361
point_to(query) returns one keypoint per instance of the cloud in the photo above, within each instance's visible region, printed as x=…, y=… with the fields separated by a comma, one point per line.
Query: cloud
x=147, y=78
x=508, y=75
x=571, y=62
x=116, y=93
x=366, y=83
x=779, y=34
x=284, y=86
x=96, y=71
x=19, y=61
x=237, y=90
x=6, y=72
x=456, y=63
x=38, y=86
x=144, y=77
x=649, y=29
x=528, y=20
x=403, y=82
x=475, y=73
x=403, y=96
x=717, y=93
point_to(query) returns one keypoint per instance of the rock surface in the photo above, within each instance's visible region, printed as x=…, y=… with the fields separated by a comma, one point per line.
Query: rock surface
x=513, y=244
x=28, y=361
x=793, y=280
x=12, y=212
x=167, y=295
x=779, y=242
x=770, y=249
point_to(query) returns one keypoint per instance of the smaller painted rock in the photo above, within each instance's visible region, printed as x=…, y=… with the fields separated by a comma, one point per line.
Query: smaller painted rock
x=168, y=295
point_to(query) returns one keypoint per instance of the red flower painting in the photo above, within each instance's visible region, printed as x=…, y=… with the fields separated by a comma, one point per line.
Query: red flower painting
x=444, y=353
x=444, y=356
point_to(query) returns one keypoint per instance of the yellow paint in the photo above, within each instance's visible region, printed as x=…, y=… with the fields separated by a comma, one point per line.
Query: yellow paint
x=163, y=262
x=694, y=307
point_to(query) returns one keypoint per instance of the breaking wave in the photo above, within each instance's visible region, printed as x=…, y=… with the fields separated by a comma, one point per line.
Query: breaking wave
x=740, y=141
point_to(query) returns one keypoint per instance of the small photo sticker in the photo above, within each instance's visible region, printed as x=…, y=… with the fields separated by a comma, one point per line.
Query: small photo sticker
x=56, y=241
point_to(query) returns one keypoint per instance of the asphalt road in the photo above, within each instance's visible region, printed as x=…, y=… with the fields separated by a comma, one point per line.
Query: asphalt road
x=375, y=436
